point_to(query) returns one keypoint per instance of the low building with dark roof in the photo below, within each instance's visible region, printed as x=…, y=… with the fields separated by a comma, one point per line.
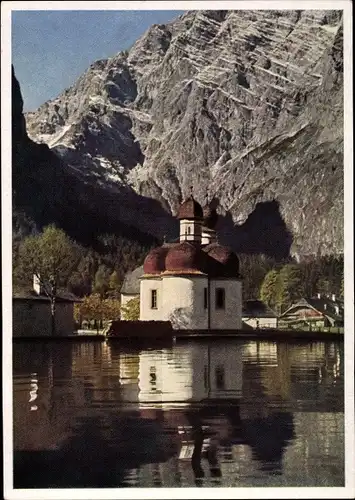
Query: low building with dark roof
x=31, y=313
x=258, y=315
x=130, y=287
x=319, y=311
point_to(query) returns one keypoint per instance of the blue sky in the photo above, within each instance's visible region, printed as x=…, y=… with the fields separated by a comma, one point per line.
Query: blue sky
x=51, y=49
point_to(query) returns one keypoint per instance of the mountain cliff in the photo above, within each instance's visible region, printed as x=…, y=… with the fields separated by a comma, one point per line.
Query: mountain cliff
x=46, y=190
x=245, y=107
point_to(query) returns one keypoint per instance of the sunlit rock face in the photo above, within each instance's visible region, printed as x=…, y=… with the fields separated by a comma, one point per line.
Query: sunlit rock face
x=244, y=106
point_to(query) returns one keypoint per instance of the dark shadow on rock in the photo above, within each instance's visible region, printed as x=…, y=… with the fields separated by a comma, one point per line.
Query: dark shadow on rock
x=264, y=232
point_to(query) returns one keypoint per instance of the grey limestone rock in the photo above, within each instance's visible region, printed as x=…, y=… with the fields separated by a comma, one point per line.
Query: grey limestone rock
x=244, y=106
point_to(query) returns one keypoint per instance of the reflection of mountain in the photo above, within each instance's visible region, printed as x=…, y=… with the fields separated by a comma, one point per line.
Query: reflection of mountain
x=190, y=414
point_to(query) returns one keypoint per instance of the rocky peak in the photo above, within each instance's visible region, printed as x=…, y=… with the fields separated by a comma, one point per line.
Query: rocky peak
x=245, y=106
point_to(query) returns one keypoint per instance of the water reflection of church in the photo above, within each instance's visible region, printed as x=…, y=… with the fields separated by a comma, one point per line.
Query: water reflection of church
x=210, y=409
x=196, y=374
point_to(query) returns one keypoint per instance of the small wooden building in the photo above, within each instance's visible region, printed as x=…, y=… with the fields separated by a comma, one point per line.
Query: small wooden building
x=257, y=314
x=318, y=312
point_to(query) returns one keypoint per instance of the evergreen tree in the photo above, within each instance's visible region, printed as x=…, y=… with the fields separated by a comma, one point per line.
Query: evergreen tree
x=268, y=290
x=101, y=280
x=254, y=268
x=114, y=285
x=289, y=286
x=324, y=287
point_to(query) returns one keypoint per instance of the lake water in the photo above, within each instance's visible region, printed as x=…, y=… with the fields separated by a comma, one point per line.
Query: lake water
x=196, y=413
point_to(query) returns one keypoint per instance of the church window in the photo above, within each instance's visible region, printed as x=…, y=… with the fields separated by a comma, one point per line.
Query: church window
x=205, y=298
x=188, y=230
x=205, y=376
x=220, y=298
x=220, y=383
x=154, y=302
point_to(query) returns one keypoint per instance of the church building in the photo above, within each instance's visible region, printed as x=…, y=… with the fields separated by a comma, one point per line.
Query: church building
x=194, y=283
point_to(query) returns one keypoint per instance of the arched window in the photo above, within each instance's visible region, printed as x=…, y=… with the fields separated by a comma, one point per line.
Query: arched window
x=220, y=380
x=154, y=299
x=220, y=298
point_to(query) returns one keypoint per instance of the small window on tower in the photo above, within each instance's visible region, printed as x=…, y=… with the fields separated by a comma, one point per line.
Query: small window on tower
x=153, y=378
x=188, y=230
x=220, y=298
x=154, y=302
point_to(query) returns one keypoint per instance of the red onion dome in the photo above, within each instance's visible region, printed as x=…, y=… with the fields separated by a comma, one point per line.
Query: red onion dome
x=190, y=209
x=154, y=262
x=210, y=217
x=184, y=257
x=224, y=256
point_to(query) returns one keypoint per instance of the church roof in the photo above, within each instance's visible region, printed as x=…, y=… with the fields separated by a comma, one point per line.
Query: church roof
x=222, y=260
x=184, y=257
x=190, y=209
x=131, y=282
x=154, y=263
x=210, y=216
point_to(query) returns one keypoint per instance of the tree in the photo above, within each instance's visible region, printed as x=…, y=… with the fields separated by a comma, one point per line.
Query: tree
x=51, y=257
x=289, y=285
x=254, y=268
x=311, y=270
x=114, y=285
x=111, y=309
x=91, y=308
x=342, y=288
x=101, y=281
x=269, y=288
x=94, y=308
x=324, y=287
x=131, y=311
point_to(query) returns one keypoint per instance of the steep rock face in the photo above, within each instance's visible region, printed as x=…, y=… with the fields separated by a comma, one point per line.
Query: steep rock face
x=46, y=190
x=244, y=106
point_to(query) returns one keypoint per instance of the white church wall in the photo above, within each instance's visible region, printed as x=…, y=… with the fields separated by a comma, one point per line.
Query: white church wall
x=190, y=374
x=226, y=371
x=183, y=301
x=230, y=317
x=208, y=236
x=161, y=378
x=147, y=313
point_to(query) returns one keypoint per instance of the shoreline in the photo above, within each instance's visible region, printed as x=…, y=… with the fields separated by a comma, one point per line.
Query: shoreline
x=277, y=335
